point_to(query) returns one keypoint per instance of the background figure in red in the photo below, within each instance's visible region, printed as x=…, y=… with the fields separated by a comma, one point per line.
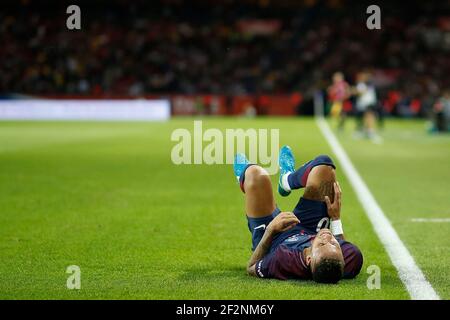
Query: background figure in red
x=338, y=94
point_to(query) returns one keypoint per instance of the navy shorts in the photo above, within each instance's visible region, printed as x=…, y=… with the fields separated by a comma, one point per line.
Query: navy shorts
x=313, y=216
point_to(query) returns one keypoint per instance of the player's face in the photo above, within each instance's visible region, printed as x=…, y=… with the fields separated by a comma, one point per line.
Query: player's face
x=362, y=77
x=337, y=77
x=325, y=245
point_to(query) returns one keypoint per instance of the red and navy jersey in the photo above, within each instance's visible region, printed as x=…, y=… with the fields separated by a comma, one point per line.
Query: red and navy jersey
x=287, y=261
x=338, y=91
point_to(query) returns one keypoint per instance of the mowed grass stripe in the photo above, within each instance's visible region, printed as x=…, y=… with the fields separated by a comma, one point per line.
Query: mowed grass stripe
x=141, y=227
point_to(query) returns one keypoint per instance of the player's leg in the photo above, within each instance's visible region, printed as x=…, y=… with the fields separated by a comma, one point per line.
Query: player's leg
x=320, y=183
x=359, y=116
x=259, y=200
x=369, y=122
x=370, y=125
x=317, y=175
x=257, y=187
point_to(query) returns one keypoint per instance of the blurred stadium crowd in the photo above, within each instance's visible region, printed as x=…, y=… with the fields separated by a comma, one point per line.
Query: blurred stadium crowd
x=231, y=48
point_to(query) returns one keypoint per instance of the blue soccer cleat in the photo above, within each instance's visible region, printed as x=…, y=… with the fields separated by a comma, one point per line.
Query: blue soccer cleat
x=286, y=162
x=239, y=165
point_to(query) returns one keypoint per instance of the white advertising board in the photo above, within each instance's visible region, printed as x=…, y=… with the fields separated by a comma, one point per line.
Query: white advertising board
x=114, y=110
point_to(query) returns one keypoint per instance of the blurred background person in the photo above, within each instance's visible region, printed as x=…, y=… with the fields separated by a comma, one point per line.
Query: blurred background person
x=338, y=94
x=441, y=113
x=366, y=102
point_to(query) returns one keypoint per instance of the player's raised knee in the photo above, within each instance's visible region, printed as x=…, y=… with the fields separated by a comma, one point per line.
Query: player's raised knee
x=255, y=176
x=321, y=173
x=320, y=183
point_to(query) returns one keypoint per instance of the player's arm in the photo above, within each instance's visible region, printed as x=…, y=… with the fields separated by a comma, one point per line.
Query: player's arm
x=282, y=222
x=334, y=211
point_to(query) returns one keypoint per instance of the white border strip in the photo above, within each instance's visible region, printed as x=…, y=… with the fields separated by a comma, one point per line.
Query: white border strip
x=430, y=220
x=109, y=110
x=411, y=275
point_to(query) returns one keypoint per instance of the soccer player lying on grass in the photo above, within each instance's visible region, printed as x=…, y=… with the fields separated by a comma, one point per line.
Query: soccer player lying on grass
x=298, y=244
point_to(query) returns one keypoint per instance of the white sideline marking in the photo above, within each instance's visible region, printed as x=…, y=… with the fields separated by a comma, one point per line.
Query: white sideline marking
x=430, y=219
x=410, y=274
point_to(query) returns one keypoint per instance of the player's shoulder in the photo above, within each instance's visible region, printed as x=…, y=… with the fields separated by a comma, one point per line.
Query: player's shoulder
x=353, y=258
x=285, y=263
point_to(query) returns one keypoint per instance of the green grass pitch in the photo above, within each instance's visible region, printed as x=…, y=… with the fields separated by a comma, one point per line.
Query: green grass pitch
x=106, y=197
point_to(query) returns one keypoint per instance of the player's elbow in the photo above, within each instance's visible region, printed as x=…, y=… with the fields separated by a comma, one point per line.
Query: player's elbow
x=251, y=270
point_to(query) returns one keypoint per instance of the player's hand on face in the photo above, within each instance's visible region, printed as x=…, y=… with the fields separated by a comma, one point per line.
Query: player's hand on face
x=283, y=222
x=334, y=209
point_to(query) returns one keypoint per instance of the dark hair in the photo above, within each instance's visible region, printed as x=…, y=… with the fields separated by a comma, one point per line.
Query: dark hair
x=328, y=271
